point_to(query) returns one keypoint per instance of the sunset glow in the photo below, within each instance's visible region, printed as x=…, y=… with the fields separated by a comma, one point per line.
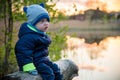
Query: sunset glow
x=70, y=7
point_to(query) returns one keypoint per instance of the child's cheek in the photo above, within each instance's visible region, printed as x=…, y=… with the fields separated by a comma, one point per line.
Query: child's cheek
x=42, y=24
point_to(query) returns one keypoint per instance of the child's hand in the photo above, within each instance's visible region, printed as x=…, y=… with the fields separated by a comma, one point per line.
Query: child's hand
x=33, y=72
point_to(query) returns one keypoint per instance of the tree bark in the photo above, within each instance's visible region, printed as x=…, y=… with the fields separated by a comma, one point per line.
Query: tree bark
x=67, y=67
x=8, y=22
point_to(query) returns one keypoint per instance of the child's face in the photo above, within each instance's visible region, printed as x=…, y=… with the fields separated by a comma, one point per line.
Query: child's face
x=43, y=25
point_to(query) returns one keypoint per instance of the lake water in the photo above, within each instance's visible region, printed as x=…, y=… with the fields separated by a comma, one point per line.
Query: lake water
x=95, y=61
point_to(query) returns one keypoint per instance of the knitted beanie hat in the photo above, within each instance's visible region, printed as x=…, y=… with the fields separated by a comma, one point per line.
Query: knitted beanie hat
x=35, y=13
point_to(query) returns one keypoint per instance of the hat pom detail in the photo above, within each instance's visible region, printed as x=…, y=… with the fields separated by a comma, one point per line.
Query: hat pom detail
x=42, y=5
x=25, y=9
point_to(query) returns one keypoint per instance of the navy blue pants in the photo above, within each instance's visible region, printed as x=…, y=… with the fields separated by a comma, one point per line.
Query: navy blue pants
x=46, y=68
x=49, y=71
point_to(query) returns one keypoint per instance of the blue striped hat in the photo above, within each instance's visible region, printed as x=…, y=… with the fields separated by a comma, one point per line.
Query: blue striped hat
x=35, y=13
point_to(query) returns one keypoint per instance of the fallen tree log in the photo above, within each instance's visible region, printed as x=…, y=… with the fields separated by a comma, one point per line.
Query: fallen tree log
x=68, y=69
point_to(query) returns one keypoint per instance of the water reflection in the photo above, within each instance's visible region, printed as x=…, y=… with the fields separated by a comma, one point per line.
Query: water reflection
x=95, y=61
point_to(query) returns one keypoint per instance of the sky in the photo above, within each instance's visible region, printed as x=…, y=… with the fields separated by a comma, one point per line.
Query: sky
x=70, y=7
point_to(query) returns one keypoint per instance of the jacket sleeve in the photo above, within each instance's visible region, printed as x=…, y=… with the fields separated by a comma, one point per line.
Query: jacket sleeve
x=24, y=49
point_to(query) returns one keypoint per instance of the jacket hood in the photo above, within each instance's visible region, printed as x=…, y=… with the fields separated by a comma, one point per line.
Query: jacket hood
x=25, y=29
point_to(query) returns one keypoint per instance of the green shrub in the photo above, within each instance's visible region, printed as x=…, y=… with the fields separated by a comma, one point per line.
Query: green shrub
x=58, y=43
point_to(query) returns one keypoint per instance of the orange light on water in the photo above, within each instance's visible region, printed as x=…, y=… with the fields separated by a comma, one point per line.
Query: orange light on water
x=101, y=59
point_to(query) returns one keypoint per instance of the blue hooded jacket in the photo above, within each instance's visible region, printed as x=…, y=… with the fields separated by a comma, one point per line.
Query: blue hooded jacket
x=32, y=45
